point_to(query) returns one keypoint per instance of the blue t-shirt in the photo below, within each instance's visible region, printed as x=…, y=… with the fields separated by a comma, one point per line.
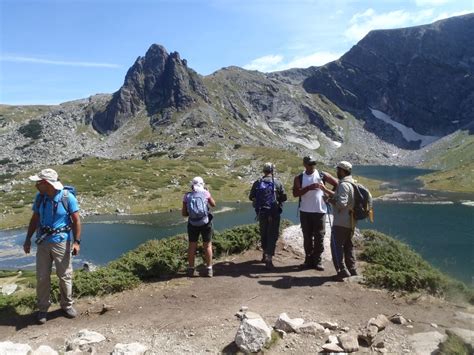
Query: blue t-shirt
x=53, y=214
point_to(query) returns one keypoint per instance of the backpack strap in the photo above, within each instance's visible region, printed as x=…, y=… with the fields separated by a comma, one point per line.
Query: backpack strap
x=65, y=200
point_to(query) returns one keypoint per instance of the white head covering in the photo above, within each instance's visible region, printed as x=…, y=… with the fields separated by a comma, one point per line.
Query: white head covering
x=197, y=184
x=50, y=176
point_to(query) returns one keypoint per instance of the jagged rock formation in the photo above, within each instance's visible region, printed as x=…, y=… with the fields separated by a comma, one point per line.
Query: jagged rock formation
x=158, y=82
x=423, y=77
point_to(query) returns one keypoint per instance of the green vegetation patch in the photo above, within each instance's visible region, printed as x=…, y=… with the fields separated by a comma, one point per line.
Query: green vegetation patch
x=32, y=129
x=459, y=179
x=454, y=346
x=154, y=259
x=393, y=265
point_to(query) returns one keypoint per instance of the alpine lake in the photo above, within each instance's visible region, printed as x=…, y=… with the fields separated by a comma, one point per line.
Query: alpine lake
x=438, y=225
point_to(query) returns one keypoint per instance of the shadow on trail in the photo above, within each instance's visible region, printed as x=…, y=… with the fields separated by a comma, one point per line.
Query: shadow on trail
x=11, y=318
x=251, y=269
x=287, y=282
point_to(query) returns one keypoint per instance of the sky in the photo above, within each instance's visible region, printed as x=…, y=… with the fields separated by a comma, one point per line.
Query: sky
x=52, y=51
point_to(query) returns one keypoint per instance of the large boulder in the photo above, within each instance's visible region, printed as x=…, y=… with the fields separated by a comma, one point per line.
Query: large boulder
x=466, y=335
x=45, y=350
x=349, y=342
x=253, y=334
x=426, y=343
x=129, y=349
x=9, y=348
x=84, y=340
x=287, y=324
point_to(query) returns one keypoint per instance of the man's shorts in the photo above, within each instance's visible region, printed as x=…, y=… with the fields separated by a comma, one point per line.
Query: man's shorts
x=205, y=231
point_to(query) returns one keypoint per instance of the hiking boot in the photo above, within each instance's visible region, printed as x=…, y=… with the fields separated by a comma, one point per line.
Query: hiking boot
x=269, y=264
x=319, y=266
x=305, y=266
x=353, y=272
x=70, y=312
x=210, y=272
x=190, y=272
x=42, y=317
x=343, y=274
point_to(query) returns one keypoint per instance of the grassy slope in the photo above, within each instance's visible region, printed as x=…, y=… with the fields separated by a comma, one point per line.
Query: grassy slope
x=455, y=159
x=157, y=185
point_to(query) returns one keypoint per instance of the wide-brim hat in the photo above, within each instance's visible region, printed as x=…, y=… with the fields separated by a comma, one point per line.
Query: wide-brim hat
x=50, y=176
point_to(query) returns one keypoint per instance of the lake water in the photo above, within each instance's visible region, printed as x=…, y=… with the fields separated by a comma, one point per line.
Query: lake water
x=441, y=233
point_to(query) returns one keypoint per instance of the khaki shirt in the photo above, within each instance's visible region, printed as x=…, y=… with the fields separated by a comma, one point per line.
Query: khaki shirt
x=343, y=202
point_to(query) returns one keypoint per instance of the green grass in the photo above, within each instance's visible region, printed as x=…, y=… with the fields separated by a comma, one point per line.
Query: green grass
x=393, y=265
x=459, y=179
x=158, y=183
x=10, y=113
x=454, y=345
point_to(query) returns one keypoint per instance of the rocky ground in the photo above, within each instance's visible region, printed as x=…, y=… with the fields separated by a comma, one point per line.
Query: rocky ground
x=202, y=315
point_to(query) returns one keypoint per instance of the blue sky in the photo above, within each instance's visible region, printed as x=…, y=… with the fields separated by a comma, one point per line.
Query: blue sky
x=55, y=51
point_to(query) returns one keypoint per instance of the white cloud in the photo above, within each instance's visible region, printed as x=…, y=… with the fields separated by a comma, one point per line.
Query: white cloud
x=363, y=23
x=431, y=2
x=19, y=59
x=271, y=63
x=444, y=15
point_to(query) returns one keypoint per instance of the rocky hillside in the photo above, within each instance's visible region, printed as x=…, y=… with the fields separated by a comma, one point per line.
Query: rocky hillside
x=421, y=77
x=393, y=92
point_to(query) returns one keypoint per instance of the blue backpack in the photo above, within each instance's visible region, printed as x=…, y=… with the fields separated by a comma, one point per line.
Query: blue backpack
x=265, y=200
x=198, y=209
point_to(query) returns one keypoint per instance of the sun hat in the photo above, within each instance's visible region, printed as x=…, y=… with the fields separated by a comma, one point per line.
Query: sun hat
x=197, y=183
x=345, y=165
x=268, y=167
x=309, y=160
x=50, y=176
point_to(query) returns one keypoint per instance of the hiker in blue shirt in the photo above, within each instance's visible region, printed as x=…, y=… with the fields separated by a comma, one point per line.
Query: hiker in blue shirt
x=268, y=195
x=55, y=214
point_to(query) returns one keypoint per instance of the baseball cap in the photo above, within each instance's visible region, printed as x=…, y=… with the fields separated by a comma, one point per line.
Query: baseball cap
x=268, y=167
x=345, y=165
x=309, y=160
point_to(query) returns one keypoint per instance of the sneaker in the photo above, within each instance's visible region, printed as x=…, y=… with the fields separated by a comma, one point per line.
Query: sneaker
x=353, y=272
x=70, y=312
x=190, y=272
x=319, y=266
x=210, y=272
x=42, y=317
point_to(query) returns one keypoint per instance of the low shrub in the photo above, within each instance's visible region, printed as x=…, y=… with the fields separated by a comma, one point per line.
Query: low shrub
x=32, y=129
x=393, y=265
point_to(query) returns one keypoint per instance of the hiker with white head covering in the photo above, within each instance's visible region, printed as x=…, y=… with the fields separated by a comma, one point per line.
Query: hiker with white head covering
x=55, y=214
x=196, y=207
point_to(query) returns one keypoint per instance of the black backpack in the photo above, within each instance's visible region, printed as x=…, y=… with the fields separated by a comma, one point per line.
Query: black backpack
x=362, y=202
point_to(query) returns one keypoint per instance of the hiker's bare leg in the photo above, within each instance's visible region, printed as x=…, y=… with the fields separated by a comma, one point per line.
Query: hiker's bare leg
x=208, y=253
x=192, y=253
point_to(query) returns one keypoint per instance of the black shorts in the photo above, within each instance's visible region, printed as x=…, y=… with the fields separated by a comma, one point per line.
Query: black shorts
x=194, y=231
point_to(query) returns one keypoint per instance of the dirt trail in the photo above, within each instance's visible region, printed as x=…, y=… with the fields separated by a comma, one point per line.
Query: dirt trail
x=197, y=315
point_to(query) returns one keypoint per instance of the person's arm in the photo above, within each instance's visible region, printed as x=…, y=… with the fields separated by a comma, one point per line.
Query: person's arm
x=33, y=225
x=328, y=192
x=184, y=210
x=331, y=180
x=282, y=197
x=76, y=232
x=211, y=201
x=253, y=191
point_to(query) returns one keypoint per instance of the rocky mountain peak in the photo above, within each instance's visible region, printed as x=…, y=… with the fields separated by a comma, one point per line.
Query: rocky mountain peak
x=420, y=77
x=158, y=83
